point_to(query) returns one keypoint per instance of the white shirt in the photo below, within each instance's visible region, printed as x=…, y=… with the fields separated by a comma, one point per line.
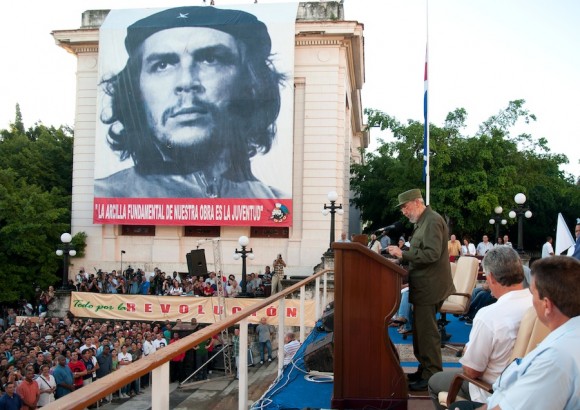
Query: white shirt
x=547, y=250
x=468, y=250
x=493, y=336
x=148, y=348
x=483, y=247
x=290, y=350
x=43, y=384
x=159, y=343
x=126, y=358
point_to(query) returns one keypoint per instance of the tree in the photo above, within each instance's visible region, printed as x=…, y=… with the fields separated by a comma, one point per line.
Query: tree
x=470, y=175
x=35, y=201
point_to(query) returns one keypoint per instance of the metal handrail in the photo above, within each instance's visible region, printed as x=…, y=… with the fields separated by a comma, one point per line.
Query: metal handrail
x=158, y=362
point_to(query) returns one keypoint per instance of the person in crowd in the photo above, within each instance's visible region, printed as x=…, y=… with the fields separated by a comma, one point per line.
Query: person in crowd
x=454, y=248
x=64, y=378
x=46, y=298
x=233, y=289
x=385, y=241
x=87, y=359
x=264, y=332
x=499, y=241
x=484, y=246
x=236, y=350
x=576, y=253
x=374, y=244
x=46, y=385
x=10, y=400
x=160, y=341
x=105, y=361
x=176, y=289
x=267, y=281
x=468, y=248
x=145, y=286
x=176, y=364
x=279, y=264
x=547, y=377
x=124, y=359
x=547, y=248
x=480, y=298
x=28, y=390
x=201, y=357
x=343, y=237
x=506, y=241
x=291, y=346
x=495, y=327
x=430, y=282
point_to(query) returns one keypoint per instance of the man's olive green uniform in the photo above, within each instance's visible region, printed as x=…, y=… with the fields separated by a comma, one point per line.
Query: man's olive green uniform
x=430, y=283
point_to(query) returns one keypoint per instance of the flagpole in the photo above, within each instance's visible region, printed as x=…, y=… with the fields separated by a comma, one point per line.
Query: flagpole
x=426, y=170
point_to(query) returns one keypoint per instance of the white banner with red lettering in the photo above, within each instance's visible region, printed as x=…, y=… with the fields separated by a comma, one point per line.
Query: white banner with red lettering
x=161, y=308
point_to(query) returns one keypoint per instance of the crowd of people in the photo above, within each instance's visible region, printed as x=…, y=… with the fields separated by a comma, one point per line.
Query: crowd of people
x=159, y=283
x=43, y=359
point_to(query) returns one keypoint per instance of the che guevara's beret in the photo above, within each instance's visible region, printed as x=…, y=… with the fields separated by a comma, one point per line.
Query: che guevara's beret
x=239, y=24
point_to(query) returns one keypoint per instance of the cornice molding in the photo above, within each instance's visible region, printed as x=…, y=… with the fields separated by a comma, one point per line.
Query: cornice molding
x=319, y=42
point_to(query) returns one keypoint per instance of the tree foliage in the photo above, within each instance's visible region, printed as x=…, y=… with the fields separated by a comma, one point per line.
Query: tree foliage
x=470, y=175
x=35, y=198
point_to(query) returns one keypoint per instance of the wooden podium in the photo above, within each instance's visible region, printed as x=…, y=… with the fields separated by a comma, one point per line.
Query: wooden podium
x=367, y=370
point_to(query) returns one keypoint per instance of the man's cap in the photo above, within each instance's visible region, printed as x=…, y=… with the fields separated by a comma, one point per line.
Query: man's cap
x=409, y=196
x=239, y=24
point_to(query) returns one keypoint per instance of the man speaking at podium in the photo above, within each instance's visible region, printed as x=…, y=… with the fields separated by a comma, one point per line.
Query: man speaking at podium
x=430, y=282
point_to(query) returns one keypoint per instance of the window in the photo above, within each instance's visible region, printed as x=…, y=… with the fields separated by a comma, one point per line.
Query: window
x=270, y=232
x=202, y=231
x=138, y=230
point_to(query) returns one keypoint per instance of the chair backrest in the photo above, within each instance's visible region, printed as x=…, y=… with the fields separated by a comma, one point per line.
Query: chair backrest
x=453, y=268
x=530, y=334
x=464, y=281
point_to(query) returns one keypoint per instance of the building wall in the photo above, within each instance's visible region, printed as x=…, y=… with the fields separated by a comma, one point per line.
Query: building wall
x=328, y=131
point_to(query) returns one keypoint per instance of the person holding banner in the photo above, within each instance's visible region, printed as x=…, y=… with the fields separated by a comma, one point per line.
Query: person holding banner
x=197, y=99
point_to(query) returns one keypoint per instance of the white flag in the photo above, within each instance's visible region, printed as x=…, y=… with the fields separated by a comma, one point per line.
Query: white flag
x=564, y=239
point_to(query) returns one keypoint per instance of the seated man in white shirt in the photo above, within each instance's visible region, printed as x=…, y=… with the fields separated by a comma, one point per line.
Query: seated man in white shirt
x=549, y=376
x=291, y=346
x=495, y=327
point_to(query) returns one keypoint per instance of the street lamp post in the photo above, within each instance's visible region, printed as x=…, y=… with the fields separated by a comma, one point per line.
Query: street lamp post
x=244, y=253
x=122, y=253
x=496, y=220
x=520, y=211
x=332, y=209
x=65, y=250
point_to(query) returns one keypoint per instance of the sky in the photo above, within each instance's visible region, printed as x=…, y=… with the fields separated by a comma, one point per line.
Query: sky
x=482, y=54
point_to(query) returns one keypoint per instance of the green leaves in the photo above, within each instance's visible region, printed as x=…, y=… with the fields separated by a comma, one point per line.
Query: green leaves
x=470, y=175
x=35, y=198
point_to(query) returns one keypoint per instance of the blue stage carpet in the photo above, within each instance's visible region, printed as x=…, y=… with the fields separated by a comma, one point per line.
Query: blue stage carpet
x=292, y=391
x=458, y=330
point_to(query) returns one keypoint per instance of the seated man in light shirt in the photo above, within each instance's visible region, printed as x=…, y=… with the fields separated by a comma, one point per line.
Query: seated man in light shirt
x=495, y=327
x=549, y=376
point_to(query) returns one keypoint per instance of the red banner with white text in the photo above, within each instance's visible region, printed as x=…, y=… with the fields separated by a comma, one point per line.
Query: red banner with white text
x=188, y=211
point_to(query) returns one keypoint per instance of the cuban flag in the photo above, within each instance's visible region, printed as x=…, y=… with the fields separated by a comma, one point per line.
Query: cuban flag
x=426, y=126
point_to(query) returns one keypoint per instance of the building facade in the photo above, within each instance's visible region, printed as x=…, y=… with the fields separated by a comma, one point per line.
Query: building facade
x=328, y=135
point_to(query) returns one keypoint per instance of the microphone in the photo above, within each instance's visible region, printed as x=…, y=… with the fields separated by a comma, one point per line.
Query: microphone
x=394, y=226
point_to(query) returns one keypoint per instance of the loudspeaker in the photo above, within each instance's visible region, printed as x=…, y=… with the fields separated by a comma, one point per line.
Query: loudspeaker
x=319, y=355
x=196, y=264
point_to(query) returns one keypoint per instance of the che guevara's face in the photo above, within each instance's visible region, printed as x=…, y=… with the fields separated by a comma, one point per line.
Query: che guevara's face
x=188, y=76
